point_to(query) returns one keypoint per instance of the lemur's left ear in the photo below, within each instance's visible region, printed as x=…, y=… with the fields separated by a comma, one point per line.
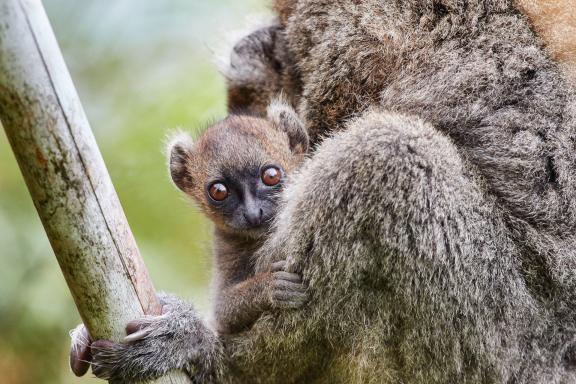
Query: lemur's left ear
x=179, y=149
x=286, y=119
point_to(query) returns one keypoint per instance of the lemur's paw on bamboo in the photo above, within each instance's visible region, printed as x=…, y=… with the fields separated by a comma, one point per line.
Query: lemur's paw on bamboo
x=175, y=339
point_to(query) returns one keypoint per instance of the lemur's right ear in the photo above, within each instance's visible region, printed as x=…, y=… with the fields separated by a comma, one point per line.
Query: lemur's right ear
x=286, y=119
x=179, y=150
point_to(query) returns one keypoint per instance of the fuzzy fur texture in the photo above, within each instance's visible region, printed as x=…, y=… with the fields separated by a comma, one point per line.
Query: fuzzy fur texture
x=193, y=347
x=234, y=151
x=260, y=68
x=555, y=22
x=435, y=225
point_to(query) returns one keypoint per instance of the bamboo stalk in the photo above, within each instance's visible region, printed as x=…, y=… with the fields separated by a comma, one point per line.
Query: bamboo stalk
x=67, y=178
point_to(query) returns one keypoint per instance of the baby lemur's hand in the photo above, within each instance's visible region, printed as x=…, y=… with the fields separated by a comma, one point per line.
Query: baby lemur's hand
x=240, y=305
x=286, y=289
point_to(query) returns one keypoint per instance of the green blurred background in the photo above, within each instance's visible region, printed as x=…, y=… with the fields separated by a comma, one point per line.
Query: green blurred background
x=141, y=68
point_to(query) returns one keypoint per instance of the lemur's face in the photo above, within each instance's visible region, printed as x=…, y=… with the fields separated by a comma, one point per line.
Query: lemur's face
x=235, y=172
x=246, y=196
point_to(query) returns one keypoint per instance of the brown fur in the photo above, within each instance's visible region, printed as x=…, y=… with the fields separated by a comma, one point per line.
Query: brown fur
x=555, y=23
x=283, y=8
x=232, y=141
x=235, y=144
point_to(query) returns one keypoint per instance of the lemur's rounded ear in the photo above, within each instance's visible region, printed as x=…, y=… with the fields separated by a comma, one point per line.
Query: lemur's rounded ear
x=285, y=118
x=179, y=150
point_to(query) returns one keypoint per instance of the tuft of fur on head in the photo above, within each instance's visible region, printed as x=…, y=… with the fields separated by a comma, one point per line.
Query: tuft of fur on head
x=178, y=137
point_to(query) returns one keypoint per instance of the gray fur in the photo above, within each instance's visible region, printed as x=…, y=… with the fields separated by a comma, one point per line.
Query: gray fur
x=260, y=67
x=193, y=348
x=435, y=227
x=287, y=120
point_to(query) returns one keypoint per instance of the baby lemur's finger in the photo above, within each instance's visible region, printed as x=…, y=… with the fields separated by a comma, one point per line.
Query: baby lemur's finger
x=287, y=276
x=278, y=266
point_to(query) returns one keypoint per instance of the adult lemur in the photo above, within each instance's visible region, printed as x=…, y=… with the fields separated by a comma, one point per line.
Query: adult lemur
x=435, y=227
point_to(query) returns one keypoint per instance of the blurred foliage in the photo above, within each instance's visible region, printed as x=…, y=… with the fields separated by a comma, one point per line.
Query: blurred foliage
x=141, y=68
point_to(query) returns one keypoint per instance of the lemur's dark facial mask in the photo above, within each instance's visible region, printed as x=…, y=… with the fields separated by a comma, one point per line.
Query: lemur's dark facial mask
x=246, y=198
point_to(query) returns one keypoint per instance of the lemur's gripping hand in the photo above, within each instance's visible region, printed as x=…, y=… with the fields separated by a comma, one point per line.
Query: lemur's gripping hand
x=286, y=289
x=177, y=339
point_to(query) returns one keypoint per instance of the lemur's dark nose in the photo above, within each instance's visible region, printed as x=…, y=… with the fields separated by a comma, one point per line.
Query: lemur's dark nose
x=254, y=216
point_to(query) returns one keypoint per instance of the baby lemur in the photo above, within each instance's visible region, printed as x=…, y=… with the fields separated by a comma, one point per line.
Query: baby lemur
x=235, y=172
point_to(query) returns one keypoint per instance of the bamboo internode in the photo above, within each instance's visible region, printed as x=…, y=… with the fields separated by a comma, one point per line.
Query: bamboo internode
x=67, y=178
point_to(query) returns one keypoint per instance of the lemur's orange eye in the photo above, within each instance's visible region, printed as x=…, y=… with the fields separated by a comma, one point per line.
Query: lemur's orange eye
x=218, y=191
x=271, y=176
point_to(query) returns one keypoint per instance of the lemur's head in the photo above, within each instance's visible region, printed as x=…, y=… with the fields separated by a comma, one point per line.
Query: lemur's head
x=236, y=169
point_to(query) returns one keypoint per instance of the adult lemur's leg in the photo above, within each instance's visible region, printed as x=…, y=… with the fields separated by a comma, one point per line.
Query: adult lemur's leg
x=406, y=262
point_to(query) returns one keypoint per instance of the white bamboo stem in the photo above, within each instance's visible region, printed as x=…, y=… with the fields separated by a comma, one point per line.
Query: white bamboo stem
x=67, y=178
